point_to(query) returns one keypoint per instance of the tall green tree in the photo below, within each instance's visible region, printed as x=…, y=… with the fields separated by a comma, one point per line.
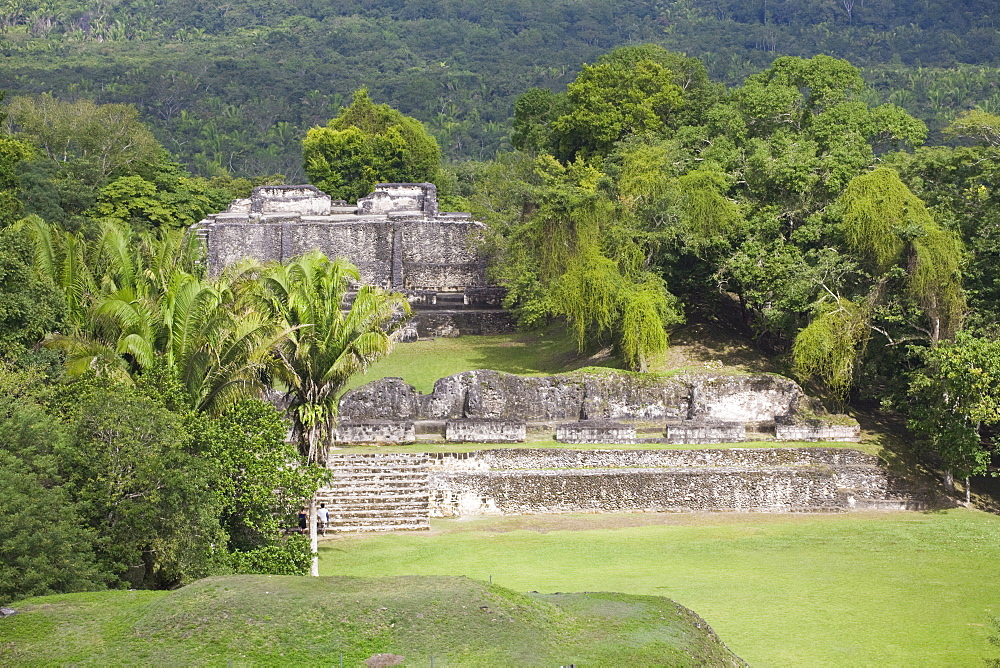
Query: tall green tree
x=258, y=485
x=324, y=345
x=954, y=397
x=31, y=305
x=45, y=545
x=366, y=144
x=101, y=140
x=137, y=301
x=566, y=250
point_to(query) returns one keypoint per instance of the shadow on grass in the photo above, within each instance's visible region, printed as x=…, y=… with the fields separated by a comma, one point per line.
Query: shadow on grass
x=537, y=353
x=708, y=345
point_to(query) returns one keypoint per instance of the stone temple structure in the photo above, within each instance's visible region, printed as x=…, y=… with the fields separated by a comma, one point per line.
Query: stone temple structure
x=396, y=237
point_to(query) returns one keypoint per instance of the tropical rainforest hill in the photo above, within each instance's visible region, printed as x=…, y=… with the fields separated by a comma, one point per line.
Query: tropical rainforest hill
x=233, y=86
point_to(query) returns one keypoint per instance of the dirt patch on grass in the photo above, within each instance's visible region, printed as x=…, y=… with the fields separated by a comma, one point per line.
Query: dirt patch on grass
x=701, y=345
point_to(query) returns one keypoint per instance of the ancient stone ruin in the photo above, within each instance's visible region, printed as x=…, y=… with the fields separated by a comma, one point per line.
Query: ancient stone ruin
x=598, y=406
x=396, y=236
x=396, y=491
x=375, y=491
x=382, y=492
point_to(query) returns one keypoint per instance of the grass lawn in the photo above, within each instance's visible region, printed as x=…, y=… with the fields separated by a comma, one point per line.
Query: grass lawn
x=423, y=362
x=695, y=347
x=300, y=621
x=901, y=589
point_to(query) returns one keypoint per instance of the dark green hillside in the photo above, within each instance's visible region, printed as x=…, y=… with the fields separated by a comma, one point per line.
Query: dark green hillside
x=235, y=86
x=311, y=621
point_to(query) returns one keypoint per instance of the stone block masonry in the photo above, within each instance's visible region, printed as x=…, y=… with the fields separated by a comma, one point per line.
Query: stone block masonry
x=379, y=492
x=374, y=432
x=759, y=480
x=485, y=431
x=396, y=237
x=705, y=431
x=693, y=408
x=592, y=395
x=792, y=428
x=595, y=431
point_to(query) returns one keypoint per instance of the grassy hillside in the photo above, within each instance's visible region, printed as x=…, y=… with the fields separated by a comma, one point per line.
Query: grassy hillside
x=851, y=589
x=245, y=620
x=695, y=347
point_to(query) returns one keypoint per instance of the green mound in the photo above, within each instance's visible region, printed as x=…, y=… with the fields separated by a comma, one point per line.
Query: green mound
x=242, y=620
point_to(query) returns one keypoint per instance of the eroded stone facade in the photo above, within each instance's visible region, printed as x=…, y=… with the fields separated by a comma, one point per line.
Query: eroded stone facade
x=595, y=395
x=396, y=237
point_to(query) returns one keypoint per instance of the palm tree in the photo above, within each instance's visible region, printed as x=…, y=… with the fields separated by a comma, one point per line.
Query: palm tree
x=325, y=344
x=139, y=302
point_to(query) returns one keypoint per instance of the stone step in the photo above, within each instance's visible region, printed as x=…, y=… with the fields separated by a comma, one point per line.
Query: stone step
x=385, y=520
x=376, y=528
x=403, y=468
x=372, y=493
x=348, y=477
x=385, y=473
x=377, y=492
x=373, y=498
x=365, y=505
x=366, y=487
x=377, y=517
x=376, y=466
x=378, y=480
x=355, y=459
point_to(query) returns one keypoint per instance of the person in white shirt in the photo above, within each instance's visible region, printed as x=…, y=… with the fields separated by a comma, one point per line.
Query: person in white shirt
x=323, y=515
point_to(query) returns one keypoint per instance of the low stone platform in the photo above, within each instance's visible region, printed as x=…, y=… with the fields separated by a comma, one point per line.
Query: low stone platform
x=485, y=431
x=791, y=428
x=529, y=481
x=384, y=492
x=595, y=431
x=374, y=432
x=702, y=432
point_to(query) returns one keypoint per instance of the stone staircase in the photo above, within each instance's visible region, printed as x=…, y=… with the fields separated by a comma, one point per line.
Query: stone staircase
x=377, y=492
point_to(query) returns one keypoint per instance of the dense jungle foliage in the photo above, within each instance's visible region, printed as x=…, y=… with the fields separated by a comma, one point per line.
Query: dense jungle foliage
x=843, y=219
x=234, y=86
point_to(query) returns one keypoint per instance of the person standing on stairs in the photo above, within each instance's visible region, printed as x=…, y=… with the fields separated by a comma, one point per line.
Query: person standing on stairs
x=324, y=517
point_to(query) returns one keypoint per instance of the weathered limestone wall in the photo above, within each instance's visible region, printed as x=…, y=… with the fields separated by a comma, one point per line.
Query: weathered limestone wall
x=396, y=237
x=441, y=256
x=485, y=431
x=304, y=200
x=559, y=458
x=530, y=492
x=606, y=395
x=376, y=432
x=392, y=197
x=553, y=481
x=595, y=431
x=432, y=324
x=791, y=429
x=699, y=431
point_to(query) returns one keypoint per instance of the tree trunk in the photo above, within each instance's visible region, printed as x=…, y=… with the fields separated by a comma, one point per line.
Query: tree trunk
x=949, y=480
x=313, y=539
x=968, y=491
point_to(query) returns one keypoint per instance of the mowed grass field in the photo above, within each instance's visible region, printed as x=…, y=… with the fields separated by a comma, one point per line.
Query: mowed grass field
x=695, y=347
x=852, y=589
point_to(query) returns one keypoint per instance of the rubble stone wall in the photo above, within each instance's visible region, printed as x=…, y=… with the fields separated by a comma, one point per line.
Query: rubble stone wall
x=605, y=395
x=595, y=431
x=375, y=432
x=485, y=431
x=512, y=482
